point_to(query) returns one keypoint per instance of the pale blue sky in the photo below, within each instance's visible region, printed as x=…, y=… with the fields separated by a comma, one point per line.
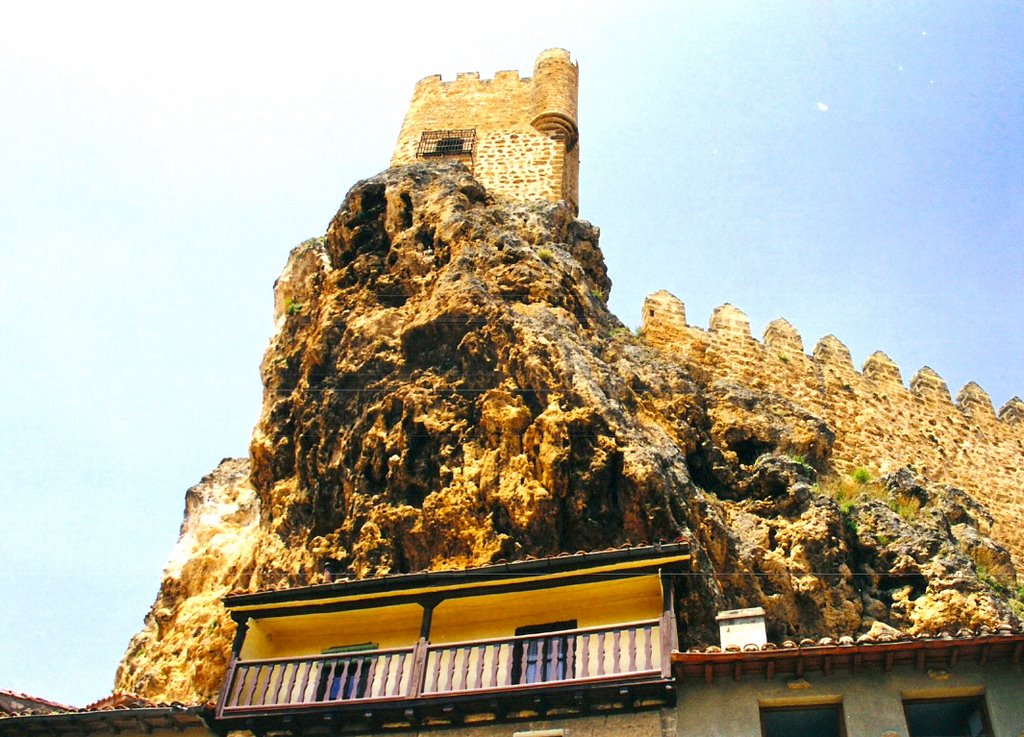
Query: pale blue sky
x=157, y=163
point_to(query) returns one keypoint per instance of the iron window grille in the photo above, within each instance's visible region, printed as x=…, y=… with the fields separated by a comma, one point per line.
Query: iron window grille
x=447, y=143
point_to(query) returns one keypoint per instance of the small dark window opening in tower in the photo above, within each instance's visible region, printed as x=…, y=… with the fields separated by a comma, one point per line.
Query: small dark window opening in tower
x=447, y=143
x=448, y=146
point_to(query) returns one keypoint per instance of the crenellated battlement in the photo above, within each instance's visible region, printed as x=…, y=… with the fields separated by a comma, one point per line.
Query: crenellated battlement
x=525, y=135
x=471, y=80
x=664, y=326
x=880, y=422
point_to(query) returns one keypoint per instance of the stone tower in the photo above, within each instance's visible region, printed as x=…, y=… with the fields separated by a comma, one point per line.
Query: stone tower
x=517, y=135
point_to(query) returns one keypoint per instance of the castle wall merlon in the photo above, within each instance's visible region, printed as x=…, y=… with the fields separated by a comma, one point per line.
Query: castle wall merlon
x=830, y=351
x=780, y=335
x=663, y=321
x=469, y=80
x=730, y=320
x=928, y=385
x=882, y=369
x=1012, y=412
x=664, y=306
x=975, y=401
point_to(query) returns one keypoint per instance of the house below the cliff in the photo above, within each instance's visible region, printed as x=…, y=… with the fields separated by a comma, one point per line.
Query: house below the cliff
x=587, y=644
x=572, y=634
x=571, y=645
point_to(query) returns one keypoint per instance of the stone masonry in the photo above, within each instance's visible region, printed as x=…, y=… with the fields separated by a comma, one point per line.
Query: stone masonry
x=526, y=136
x=879, y=423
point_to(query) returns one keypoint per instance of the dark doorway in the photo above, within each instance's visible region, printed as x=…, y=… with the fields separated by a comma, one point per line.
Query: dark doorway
x=544, y=658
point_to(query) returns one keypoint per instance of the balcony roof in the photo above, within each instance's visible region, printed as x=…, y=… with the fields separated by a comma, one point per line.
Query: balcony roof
x=564, y=568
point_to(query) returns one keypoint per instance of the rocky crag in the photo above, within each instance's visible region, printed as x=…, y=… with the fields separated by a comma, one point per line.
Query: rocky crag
x=446, y=387
x=879, y=424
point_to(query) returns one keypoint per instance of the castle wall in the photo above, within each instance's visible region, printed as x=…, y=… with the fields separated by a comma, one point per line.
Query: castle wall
x=879, y=423
x=526, y=134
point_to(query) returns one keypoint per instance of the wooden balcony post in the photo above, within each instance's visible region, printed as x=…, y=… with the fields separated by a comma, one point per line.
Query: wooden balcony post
x=668, y=630
x=419, y=668
x=229, y=682
x=241, y=629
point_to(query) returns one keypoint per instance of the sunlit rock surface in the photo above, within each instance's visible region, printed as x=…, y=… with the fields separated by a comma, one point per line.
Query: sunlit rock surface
x=447, y=388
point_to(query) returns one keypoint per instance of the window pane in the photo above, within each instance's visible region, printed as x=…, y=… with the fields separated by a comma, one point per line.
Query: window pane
x=947, y=718
x=811, y=721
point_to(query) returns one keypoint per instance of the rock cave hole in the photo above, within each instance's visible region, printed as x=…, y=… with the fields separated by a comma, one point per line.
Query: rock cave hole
x=749, y=450
x=406, y=210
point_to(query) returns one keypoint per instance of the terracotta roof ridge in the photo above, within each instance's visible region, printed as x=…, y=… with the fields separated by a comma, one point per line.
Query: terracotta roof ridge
x=1004, y=629
x=37, y=700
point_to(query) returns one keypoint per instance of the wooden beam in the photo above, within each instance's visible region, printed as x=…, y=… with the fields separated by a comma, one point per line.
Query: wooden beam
x=540, y=705
x=709, y=673
x=371, y=718
x=826, y=665
x=769, y=671
x=498, y=708
x=411, y=716
x=453, y=714
x=428, y=616
x=920, y=659
x=670, y=693
x=1017, y=652
x=890, y=659
x=627, y=697
x=983, y=655
x=954, y=653
x=240, y=631
x=737, y=670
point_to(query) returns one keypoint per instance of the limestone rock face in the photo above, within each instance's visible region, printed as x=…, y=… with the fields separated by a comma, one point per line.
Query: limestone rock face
x=446, y=388
x=183, y=648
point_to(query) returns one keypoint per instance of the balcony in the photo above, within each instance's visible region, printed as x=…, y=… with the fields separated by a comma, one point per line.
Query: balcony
x=627, y=662
x=568, y=633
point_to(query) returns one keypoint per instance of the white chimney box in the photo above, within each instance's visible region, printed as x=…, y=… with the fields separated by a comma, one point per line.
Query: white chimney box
x=739, y=627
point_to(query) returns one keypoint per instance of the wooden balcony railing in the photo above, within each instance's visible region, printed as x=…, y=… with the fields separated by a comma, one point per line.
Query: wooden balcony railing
x=594, y=654
x=285, y=682
x=570, y=655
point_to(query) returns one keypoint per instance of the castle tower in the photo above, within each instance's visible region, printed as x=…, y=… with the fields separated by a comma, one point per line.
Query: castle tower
x=518, y=136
